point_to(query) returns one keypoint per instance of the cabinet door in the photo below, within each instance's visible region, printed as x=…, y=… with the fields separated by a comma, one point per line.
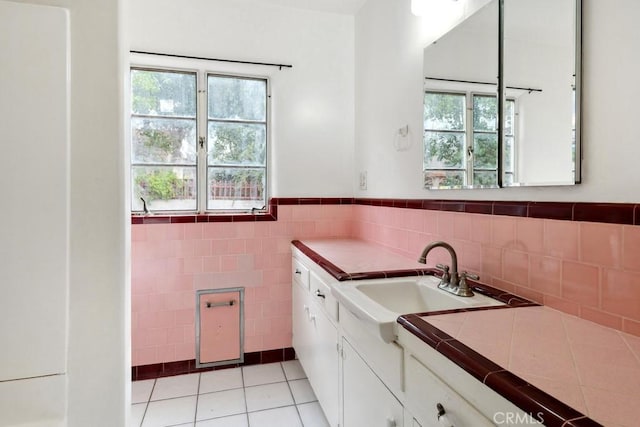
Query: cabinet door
x=301, y=327
x=315, y=340
x=367, y=401
x=325, y=366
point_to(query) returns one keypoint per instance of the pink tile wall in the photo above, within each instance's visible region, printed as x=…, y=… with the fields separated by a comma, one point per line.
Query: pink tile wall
x=591, y=270
x=171, y=261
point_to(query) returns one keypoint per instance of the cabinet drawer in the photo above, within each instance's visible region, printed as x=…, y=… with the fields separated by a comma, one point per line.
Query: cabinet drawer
x=424, y=391
x=321, y=293
x=300, y=273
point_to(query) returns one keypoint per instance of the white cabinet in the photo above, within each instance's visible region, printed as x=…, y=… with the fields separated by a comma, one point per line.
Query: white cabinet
x=367, y=401
x=315, y=339
x=360, y=380
x=301, y=325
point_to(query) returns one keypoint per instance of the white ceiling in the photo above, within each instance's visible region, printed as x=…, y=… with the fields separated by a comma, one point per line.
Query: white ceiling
x=346, y=7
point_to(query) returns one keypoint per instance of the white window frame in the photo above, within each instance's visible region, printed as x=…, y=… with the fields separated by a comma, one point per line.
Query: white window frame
x=202, y=120
x=465, y=131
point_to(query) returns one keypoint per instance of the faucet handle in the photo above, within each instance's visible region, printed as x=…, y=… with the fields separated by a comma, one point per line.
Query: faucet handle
x=442, y=267
x=446, y=277
x=465, y=275
x=463, y=289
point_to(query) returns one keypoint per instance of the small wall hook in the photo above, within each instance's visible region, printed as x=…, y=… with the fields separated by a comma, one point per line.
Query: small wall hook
x=402, y=140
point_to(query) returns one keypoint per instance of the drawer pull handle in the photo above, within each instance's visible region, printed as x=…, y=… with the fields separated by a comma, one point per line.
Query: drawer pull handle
x=298, y=271
x=441, y=410
x=320, y=294
x=220, y=304
x=442, y=416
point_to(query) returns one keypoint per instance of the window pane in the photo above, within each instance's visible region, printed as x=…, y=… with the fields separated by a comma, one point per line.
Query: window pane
x=237, y=144
x=164, y=188
x=443, y=150
x=509, y=116
x=444, y=111
x=443, y=178
x=485, y=150
x=161, y=93
x=236, y=188
x=485, y=113
x=163, y=140
x=508, y=154
x=485, y=178
x=237, y=98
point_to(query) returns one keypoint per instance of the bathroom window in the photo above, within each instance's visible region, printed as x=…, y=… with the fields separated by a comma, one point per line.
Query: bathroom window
x=198, y=141
x=237, y=142
x=461, y=140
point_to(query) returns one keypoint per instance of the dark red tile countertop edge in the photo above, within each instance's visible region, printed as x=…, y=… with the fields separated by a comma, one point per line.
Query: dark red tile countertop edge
x=527, y=397
x=522, y=394
x=612, y=213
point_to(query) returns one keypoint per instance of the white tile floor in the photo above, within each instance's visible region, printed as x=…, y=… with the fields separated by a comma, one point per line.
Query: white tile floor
x=272, y=395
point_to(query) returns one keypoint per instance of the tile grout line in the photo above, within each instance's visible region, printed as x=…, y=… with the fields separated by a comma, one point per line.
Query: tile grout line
x=195, y=415
x=244, y=393
x=295, y=405
x=626, y=342
x=579, y=375
x=146, y=407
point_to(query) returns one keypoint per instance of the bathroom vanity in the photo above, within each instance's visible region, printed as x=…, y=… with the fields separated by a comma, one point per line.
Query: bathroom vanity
x=506, y=361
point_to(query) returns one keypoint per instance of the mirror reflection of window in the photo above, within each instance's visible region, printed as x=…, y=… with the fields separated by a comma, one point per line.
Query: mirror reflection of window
x=444, y=140
x=461, y=140
x=541, y=83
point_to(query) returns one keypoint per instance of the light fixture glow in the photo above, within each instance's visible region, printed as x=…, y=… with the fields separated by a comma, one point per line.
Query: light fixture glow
x=421, y=7
x=418, y=7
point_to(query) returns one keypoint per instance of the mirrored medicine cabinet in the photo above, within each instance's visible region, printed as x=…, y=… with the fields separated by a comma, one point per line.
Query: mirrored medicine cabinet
x=521, y=58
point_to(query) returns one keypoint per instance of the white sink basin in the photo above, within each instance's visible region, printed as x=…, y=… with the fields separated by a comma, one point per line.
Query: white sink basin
x=379, y=302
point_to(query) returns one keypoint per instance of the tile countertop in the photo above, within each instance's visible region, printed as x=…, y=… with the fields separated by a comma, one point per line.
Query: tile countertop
x=593, y=369
x=352, y=258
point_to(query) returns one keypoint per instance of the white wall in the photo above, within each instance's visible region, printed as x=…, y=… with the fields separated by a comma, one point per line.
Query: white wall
x=312, y=103
x=34, y=254
x=94, y=385
x=388, y=95
x=99, y=314
x=389, y=91
x=544, y=120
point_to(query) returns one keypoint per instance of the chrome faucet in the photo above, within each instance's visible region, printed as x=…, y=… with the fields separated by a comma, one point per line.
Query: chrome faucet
x=451, y=282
